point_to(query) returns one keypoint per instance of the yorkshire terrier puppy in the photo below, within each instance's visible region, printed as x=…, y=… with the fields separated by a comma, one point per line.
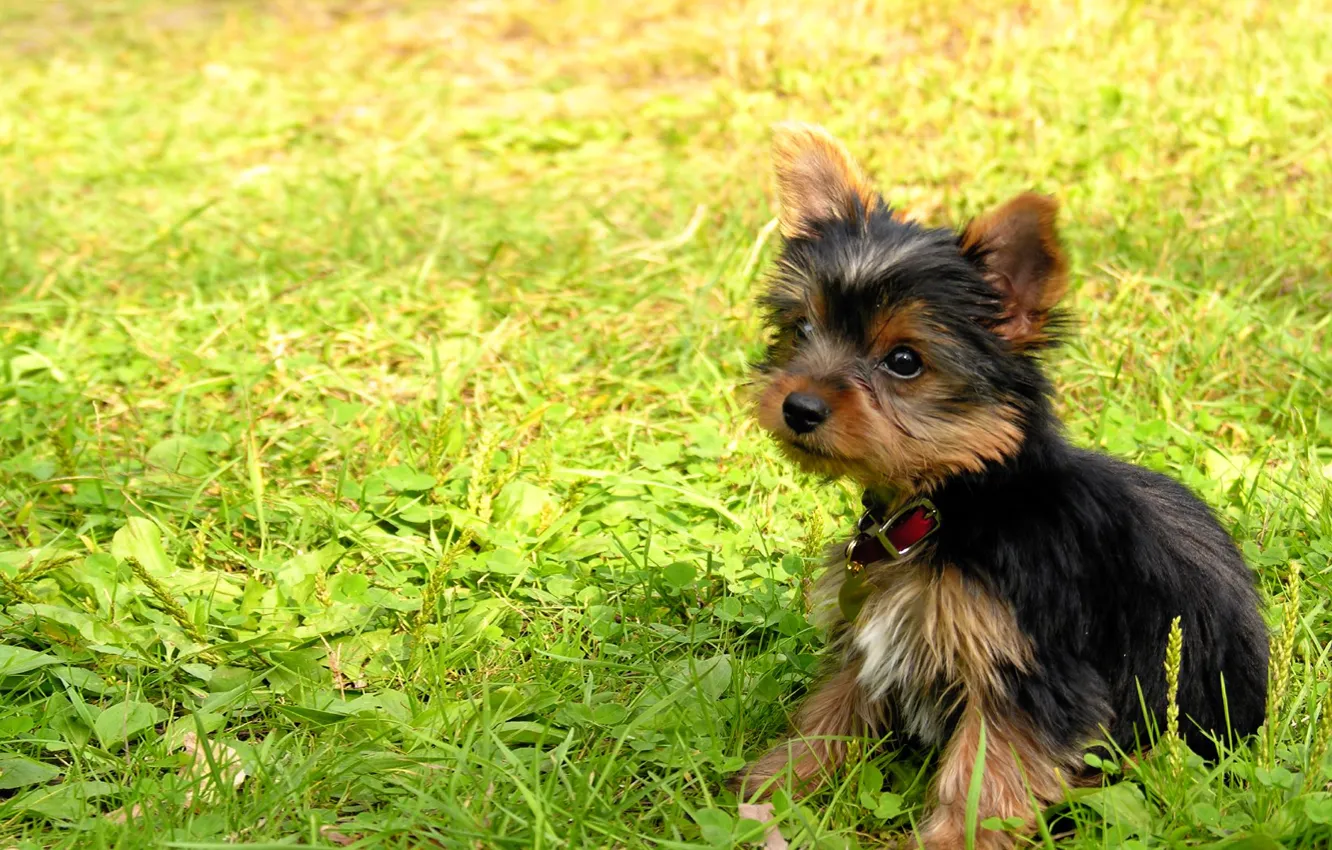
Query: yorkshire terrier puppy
x=1000, y=577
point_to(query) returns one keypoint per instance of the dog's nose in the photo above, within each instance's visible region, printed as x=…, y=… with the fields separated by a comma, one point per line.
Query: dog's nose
x=804, y=412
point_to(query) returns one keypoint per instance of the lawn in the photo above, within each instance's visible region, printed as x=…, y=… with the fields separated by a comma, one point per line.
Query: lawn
x=375, y=461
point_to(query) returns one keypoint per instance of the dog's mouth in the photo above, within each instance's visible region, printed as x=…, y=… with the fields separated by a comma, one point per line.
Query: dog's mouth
x=813, y=457
x=810, y=450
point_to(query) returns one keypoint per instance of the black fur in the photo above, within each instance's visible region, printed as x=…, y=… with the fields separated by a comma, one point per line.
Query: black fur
x=1097, y=557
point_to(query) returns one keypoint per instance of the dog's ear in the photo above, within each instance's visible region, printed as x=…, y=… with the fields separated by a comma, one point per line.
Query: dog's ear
x=1017, y=247
x=817, y=180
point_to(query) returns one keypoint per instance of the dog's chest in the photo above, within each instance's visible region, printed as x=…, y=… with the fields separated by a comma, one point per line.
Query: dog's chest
x=927, y=639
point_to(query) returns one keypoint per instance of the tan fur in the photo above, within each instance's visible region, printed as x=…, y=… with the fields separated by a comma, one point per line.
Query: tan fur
x=896, y=445
x=811, y=306
x=1027, y=265
x=817, y=179
x=973, y=633
x=928, y=639
x=1016, y=770
x=903, y=324
x=836, y=711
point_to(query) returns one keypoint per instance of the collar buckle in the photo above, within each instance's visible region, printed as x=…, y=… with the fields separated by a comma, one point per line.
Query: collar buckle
x=880, y=532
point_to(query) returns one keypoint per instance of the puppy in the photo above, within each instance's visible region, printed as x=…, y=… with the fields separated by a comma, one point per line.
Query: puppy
x=1001, y=581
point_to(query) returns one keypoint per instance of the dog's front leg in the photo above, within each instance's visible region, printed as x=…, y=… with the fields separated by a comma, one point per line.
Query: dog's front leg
x=1017, y=772
x=836, y=711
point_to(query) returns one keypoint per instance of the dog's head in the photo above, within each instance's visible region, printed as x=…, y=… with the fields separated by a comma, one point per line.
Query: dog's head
x=900, y=354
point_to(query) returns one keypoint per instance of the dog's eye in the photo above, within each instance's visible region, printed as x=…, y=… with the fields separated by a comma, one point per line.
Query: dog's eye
x=804, y=329
x=903, y=362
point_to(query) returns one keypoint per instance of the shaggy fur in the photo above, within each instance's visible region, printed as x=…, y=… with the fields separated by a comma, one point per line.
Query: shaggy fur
x=1041, y=608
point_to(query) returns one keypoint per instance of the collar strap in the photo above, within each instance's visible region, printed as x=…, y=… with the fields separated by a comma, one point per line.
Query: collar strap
x=893, y=538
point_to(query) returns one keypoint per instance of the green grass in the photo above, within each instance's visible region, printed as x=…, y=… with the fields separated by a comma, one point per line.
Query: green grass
x=311, y=315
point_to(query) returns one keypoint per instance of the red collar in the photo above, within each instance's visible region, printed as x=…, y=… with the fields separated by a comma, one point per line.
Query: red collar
x=879, y=540
x=892, y=538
